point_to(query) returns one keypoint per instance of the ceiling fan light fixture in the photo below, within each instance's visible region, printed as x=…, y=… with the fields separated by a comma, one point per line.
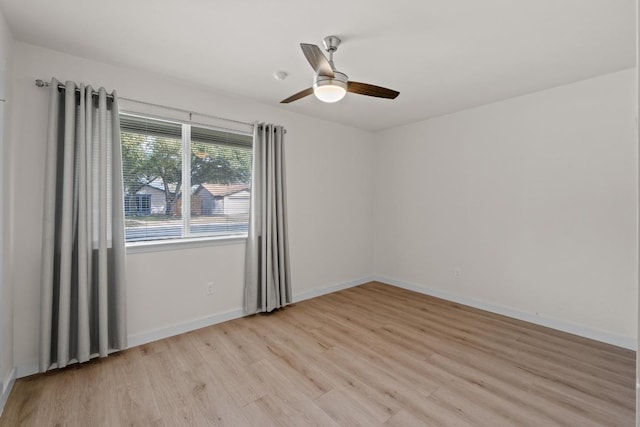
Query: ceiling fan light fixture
x=330, y=85
x=328, y=89
x=329, y=93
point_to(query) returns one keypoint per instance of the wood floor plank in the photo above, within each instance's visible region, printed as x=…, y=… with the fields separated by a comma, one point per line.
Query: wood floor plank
x=171, y=393
x=404, y=419
x=433, y=413
x=268, y=412
x=465, y=402
x=227, y=371
x=549, y=411
x=545, y=364
x=246, y=349
x=214, y=403
x=282, y=391
x=346, y=411
x=553, y=337
x=582, y=403
x=285, y=353
x=370, y=355
x=381, y=404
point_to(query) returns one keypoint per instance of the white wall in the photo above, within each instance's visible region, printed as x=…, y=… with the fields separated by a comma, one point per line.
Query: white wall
x=330, y=230
x=6, y=285
x=533, y=199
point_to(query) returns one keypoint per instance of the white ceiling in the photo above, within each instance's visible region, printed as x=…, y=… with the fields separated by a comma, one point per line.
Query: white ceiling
x=442, y=55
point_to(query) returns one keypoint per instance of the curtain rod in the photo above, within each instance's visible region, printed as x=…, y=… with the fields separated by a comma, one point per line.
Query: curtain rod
x=42, y=83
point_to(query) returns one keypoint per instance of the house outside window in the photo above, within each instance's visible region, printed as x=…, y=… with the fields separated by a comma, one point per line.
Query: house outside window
x=137, y=204
x=183, y=180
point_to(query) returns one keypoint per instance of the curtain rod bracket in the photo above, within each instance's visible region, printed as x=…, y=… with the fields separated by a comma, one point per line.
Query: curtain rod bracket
x=42, y=83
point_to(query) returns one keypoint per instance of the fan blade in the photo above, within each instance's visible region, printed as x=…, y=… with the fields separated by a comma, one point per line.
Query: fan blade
x=297, y=96
x=316, y=58
x=371, y=90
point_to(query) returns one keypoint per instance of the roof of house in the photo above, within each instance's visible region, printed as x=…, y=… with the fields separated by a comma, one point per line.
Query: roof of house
x=222, y=189
x=158, y=184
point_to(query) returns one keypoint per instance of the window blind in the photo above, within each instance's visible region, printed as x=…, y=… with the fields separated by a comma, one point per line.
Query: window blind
x=167, y=129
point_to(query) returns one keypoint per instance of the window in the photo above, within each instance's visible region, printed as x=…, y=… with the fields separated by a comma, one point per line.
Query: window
x=137, y=204
x=183, y=180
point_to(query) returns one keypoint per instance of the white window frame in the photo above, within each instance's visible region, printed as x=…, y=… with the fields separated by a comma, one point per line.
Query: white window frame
x=186, y=241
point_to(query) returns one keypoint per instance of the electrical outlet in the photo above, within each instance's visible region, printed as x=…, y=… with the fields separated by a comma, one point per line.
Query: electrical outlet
x=209, y=289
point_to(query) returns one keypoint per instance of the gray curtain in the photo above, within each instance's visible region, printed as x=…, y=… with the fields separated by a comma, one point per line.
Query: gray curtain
x=83, y=311
x=267, y=271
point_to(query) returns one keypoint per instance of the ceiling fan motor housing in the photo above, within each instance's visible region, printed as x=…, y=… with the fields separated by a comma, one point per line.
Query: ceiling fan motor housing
x=339, y=79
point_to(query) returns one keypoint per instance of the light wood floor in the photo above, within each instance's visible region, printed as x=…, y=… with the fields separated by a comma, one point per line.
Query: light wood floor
x=367, y=356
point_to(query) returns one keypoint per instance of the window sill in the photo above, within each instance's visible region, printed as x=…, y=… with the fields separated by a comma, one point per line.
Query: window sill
x=180, y=244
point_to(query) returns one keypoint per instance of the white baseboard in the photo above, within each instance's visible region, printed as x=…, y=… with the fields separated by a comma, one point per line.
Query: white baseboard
x=560, y=325
x=180, y=328
x=330, y=289
x=141, y=338
x=7, y=386
x=166, y=332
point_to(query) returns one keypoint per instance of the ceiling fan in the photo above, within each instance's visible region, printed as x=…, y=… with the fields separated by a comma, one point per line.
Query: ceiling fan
x=329, y=84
